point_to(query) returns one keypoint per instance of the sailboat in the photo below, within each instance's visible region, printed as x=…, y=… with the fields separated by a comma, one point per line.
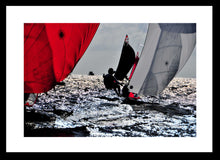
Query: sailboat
x=127, y=61
x=51, y=51
x=167, y=48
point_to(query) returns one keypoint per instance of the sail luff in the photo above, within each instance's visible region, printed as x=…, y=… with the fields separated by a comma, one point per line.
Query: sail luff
x=145, y=60
x=142, y=90
x=187, y=39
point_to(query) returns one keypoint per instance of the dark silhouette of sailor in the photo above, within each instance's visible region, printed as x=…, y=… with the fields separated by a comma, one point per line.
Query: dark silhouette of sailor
x=111, y=82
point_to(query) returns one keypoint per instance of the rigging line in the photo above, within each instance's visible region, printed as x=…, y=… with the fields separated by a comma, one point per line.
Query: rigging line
x=35, y=39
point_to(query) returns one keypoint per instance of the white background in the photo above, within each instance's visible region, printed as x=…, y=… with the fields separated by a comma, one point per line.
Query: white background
x=18, y=15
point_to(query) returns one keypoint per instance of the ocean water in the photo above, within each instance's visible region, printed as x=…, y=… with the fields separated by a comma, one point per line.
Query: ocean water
x=84, y=108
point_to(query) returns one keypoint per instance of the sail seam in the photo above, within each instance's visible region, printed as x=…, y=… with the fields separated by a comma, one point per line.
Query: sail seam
x=64, y=61
x=35, y=40
x=180, y=46
x=28, y=33
x=180, y=54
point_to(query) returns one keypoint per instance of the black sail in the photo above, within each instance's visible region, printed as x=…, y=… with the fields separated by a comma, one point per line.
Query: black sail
x=126, y=61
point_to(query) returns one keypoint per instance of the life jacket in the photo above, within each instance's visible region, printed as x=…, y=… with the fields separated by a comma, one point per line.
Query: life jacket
x=133, y=96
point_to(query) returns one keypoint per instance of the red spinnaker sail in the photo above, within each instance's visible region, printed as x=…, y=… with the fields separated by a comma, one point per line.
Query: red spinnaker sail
x=51, y=51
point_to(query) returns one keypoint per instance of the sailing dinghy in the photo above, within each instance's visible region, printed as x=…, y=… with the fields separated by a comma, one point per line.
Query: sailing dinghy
x=127, y=61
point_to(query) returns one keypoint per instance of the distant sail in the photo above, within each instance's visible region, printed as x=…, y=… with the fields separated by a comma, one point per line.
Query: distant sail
x=166, y=50
x=51, y=51
x=126, y=60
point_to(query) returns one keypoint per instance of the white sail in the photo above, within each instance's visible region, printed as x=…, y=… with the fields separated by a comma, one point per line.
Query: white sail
x=167, y=48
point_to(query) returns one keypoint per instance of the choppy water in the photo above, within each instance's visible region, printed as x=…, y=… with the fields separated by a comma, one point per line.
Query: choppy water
x=83, y=107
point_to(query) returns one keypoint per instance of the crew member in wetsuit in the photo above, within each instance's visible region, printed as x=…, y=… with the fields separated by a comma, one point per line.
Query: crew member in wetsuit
x=111, y=82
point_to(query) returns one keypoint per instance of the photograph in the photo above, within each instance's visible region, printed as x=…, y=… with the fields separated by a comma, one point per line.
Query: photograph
x=133, y=79
x=110, y=80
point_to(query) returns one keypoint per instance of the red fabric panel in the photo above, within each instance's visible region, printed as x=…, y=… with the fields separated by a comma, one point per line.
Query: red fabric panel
x=68, y=42
x=134, y=66
x=51, y=51
x=38, y=64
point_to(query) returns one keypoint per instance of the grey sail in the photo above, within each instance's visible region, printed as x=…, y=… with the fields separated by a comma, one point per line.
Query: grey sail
x=167, y=48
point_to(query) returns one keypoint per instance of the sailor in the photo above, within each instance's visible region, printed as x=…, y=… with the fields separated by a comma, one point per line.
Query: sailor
x=111, y=82
x=125, y=91
x=129, y=95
